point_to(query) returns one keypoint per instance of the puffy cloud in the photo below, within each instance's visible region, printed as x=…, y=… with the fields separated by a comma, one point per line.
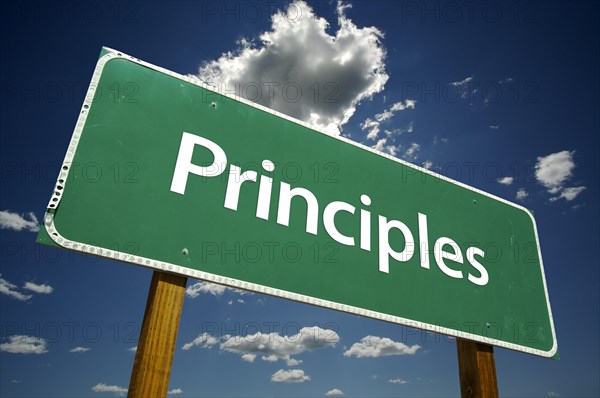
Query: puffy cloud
x=21, y=344
x=41, y=289
x=428, y=164
x=374, y=347
x=569, y=194
x=80, y=349
x=10, y=290
x=204, y=340
x=522, y=194
x=382, y=146
x=554, y=170
x=336, y=392
x=101, y=387
x=320, y=83
x=506, y=180
x=270, y=347
x=17, y=222
x=175, y=391
x=290, y=376
x=397, y=381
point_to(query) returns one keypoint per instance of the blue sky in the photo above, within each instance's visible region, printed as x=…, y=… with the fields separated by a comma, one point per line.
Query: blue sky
x=501, y=97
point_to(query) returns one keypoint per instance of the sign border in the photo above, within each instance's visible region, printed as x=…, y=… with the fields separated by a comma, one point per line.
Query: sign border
x=61, y=241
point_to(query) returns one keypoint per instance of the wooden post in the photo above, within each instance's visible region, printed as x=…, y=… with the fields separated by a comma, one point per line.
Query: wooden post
x=156, y=346
x=477, y=370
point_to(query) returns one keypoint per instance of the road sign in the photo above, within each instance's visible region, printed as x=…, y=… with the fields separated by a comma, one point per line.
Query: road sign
x=164, y=172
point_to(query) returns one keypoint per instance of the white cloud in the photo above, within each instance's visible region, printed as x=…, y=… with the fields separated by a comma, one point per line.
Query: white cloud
x=175, y=391
x=21, y=344
x=41, y=289
x=132, y=349
x=299, y=69
x=554, y=170
x=411, y=152
x=16, y=222
x=204, y=340
x=80, y=349
x=270, y=347
x=199, y=288
x=569, y=194
x=553, y=394
x=373, y=346
x=428, y=164
x=101, y=387
x=522, y=194
x=494, y=126
x=373, y=126
x=9, y=289
x=506, y=180
x=506, y=80
x=462, y=82
x=336, y=392
x=398, y=381
x=289, y=376
x=382, y=147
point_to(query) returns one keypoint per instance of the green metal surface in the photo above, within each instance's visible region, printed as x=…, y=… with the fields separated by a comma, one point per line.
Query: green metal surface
x=118, y=196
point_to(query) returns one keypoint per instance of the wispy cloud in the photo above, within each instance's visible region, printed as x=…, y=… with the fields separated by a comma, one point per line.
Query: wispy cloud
x=101, y=387
x=132, y=349
x=80, y=349
x=412, y=151
x=205, y=340
x=373, y=127
x=494, y=126
x=506, y=180
x=22, y=344
x=335, y=392
x=398, y=381
x=347, y=66
x=17, y=222
x=199, y=288
x=10, y=290
x=462, y=82
x=41, y=289
x=569, y=194
x=428, y=164
x=290, y=376
x=373, y=346
x=175, y=391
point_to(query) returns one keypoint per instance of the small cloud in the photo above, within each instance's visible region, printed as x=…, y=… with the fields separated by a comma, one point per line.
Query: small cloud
x=428, y=164
x=336, y=392
x=554, y=170
x=175, y=391
x=374, y=347
x=21, y=344
x=382, y=146
x=411, y=152
x=101, y=387
x=553, y=394
x=569, y=194
x=506, y=180
x=522, y=194
x=9, y=289
x=41, y=289
x=132, y=349
x=397, y=381
x=79, y=349
x=462, y=82
x=290, y=376
x=213, y=289
x=494, y=126
x=506, y=80
x=16, y=381
x=17, y=222
x=204, y=340
x=373, y=126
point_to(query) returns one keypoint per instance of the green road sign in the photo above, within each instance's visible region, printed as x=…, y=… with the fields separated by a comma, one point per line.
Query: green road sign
x=164, y=172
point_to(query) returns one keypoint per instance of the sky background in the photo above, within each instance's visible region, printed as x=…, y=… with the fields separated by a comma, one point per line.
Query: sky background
x=501, y=96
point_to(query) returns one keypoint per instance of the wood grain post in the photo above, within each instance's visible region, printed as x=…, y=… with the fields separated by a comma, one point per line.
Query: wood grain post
x=477, y=370
x=156, y=346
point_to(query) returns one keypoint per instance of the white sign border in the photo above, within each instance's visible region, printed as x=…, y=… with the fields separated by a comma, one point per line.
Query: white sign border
x=238, y=284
